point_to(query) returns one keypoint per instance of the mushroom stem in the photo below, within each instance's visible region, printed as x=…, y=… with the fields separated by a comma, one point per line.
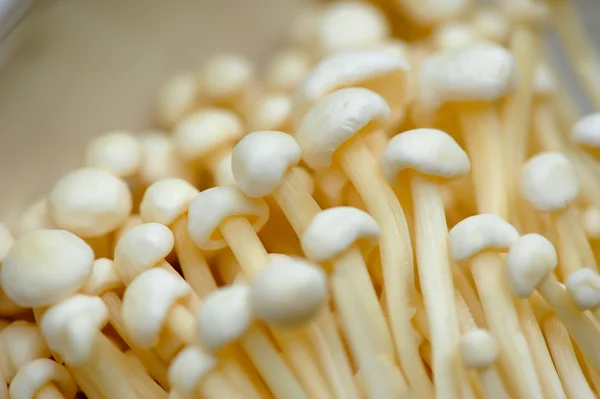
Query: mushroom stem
x=503, y=321
x=217, y=386
x=570, y=372
x=482, y=133
x=49, y=391
x=435, y=277
x=193, y=265
x=396, y=256
x=492, y=384
x=296, y=203
x=573, y=255
x=582, y=329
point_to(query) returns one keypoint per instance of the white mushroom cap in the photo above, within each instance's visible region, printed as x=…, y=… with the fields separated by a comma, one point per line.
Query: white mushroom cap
x=261, y=159
x=587, y=131
x=432, y=12
x=544, y=82
x=289, y=292
x=478, y=348
x=286, y=69
x=336, y=118
x=45, y=267
x=583, y=286
x=35, y=217
x=379, y=69
x=6, y=241
x=349, y=25
x=205, y=131
x=428, y=151
x=224, y=317
x=477, y=233
x=454, y=35
x=117, y=152
x=160, y=158
x=166, y=200
x=491, y=24
x=89, y=202
x=529, y=260
x=335, y=230
x=71, y=327
x=272, y=112
x=141, y=248
x=147, y=302
x=590, y=221
x=188, y=369
x=549, y=182
x=178, y=96
x=479, y=72
x=36, y=374
x=23, y=343
x=212, y=206
x=104, y=278
x=226, y=75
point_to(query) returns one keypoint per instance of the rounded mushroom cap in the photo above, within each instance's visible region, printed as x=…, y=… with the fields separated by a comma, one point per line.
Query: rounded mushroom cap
x=205, y=131
x=428, y=151
x=477, y=233
x=188, y=369
x=335, y=230
x=286, y=69
x=177, y=97
x=583, y=286
x=147, y=302
x=349, y=25
x=289, y=292
x=549, y=182
x=478, y=348
x=160, y=158
x=166, y=200
x=89, y=202
x=211, y=207
x=35, y=217
x=590, y=221
x=479, y=72
x=226, y=75
x=224, y=317
x=33, y=376
x=6, y=241
x=104, y=278
x=141, y=248
x=336, y=118
x=261, y=159
x=23, y=343
x=587, y=131
x=272, y=112
x=490, y=24
x=117, y=152
x=45, y=267
x=454, y=35
x=71, y=327
x=529, y=260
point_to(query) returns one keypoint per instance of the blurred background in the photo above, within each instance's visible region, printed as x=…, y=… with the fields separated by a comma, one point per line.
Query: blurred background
x=73, y=69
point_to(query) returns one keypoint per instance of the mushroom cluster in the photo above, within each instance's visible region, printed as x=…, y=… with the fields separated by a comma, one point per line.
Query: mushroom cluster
x=403, y=204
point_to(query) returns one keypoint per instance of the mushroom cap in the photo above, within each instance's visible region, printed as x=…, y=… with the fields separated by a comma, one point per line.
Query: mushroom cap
x=454, y=35
x=6, y=241
x=286, y=69
x=147, y=302
x=336, y=118
x=334, y=231
x=207, y=130
x=188, y=369
x=166, y=200
x=549, y=182
x=428, y=151
x=544, y=83
x=45, y=267
x=224, y=317
x=104, y=278
x=160, y=158
x=491, y=24
x=587, y=131
x=583, y=286
x=289, y=292
x=89, y=202
x=478, y=233
x=33, y=376
x=116, y=152
x=141, y=248
x=590, y=221
x=211, y=207
x=71, y=327
x=481, y=71
x=479, y=349
x=348, y=25
x=272, y=112
x=529, y=260
x=23, y=343
x=226, y=75
x=178, y=96
x=261, y=159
